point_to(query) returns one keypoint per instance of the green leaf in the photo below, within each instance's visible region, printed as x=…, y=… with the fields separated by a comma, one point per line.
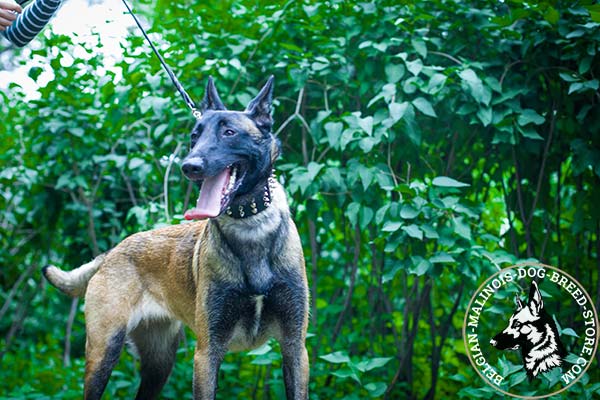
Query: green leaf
x=372, y=363
x=430, y=233
x=436, y=83
x=485, y=115
x=568, y=77
x=442, y=257
x=413, y=231
x=461, y=227
x=419, y=46
x=421, y=266
x=569, y=332
x=264, y=349
x=334, y=132
x=444, y=181
x=79, y=132
x=575, y=34
x=529, y=116
x=583, y=86
x=394, y=72
x=530, y=133
x=376, y=389
x=380, y=214
x=135, y=163
x=266, y=359
x=551, y=15
x=314, y=169
x=424, y=106
x=347, y=137
x=64, y=180
x=479, y=92
x=366, y=216
x=366, y=144
x=408, y=212
x=366, y=124
x=415, y=67
x=346, y=372
x=352, y=212
x=391, y=226
x=366, y=176
x=337, y=357
x=160, y=129
x=397, y=110
x=585, y=64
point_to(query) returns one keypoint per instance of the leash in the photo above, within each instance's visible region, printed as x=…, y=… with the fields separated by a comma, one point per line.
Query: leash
x=186, y=97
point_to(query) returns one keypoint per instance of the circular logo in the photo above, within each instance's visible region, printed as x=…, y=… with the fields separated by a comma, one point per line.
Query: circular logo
x=531, y=331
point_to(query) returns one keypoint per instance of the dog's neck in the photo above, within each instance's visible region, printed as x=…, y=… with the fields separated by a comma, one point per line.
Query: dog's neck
x=545, y=353
x=257, y=227
x=254, y=202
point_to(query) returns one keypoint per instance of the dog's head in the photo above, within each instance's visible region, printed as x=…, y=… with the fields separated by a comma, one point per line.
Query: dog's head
x=524, y=325
x=232, y=152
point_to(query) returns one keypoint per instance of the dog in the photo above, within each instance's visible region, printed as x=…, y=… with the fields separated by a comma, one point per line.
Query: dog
x=532, y=330
x=236, y=277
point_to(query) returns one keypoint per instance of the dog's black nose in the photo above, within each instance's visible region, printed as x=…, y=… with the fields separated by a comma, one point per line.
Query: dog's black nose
x=193, y=167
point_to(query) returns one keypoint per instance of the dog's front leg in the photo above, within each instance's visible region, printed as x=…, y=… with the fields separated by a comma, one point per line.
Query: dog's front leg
x=295, y=369
x=207, y=360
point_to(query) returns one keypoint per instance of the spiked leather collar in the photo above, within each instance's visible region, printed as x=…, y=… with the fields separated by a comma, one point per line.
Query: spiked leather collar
x=252, y=203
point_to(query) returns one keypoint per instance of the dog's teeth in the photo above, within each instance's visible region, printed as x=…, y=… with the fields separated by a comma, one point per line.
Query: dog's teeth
x=232, y=179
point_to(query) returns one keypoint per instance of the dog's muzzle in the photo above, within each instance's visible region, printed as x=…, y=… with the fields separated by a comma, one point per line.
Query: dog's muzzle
x=193, y=168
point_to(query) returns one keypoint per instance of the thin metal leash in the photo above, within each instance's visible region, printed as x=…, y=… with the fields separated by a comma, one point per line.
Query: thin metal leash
x=186, y=97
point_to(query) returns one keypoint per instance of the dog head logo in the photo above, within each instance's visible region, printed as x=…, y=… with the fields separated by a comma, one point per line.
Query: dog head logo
x=538, y=347
x=534, y=332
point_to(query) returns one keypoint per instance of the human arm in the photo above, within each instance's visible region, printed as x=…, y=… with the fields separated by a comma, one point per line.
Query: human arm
x=33, y=19
x=8, y=10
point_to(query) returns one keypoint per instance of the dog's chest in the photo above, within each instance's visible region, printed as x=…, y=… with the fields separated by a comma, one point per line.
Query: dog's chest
x=250, y=263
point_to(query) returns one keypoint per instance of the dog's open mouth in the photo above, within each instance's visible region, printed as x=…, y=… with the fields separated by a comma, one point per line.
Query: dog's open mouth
x=216, y=193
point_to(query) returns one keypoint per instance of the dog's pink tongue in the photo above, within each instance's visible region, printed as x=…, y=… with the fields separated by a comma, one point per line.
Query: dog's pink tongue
x=209, y=202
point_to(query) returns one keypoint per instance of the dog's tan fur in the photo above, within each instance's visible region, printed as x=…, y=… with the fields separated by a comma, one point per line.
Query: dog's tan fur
x=234, y=281
x=162, y=276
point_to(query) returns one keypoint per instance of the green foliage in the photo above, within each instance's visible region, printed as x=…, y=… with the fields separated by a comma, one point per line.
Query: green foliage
x=425, y=145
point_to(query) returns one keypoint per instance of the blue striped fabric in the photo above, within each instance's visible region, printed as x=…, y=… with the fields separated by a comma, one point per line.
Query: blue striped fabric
x=31, y=21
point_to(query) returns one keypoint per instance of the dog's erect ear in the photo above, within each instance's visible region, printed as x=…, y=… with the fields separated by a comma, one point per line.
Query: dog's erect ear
x=211, y=100
x=535, y=299
x=260, y=107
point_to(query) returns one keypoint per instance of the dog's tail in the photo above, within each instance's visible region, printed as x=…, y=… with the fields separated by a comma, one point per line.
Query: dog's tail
x=74, y=282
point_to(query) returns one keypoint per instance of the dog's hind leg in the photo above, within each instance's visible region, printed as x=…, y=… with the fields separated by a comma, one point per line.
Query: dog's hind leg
x=106, y=316
x=102, y=354
x=156, y=342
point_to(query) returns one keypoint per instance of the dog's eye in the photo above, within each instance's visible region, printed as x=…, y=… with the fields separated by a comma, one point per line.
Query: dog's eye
x=229, y=132
x=517, y=325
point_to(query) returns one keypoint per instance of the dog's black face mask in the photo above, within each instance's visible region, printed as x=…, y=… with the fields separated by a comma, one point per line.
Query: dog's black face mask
x=232, y=152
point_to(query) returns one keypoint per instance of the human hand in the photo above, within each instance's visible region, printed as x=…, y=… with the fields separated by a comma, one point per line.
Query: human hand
x=7, y=13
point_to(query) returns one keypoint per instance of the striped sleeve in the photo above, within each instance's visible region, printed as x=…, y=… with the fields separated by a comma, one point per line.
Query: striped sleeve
x=33, y=19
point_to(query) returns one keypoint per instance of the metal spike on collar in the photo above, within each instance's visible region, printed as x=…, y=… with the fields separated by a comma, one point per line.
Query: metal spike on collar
x=253, y=207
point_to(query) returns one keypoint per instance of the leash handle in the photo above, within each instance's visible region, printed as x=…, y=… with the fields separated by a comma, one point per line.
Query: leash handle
x=186, y=97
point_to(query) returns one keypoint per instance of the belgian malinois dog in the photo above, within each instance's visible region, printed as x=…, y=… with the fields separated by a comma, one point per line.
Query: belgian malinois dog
x=236, y=277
